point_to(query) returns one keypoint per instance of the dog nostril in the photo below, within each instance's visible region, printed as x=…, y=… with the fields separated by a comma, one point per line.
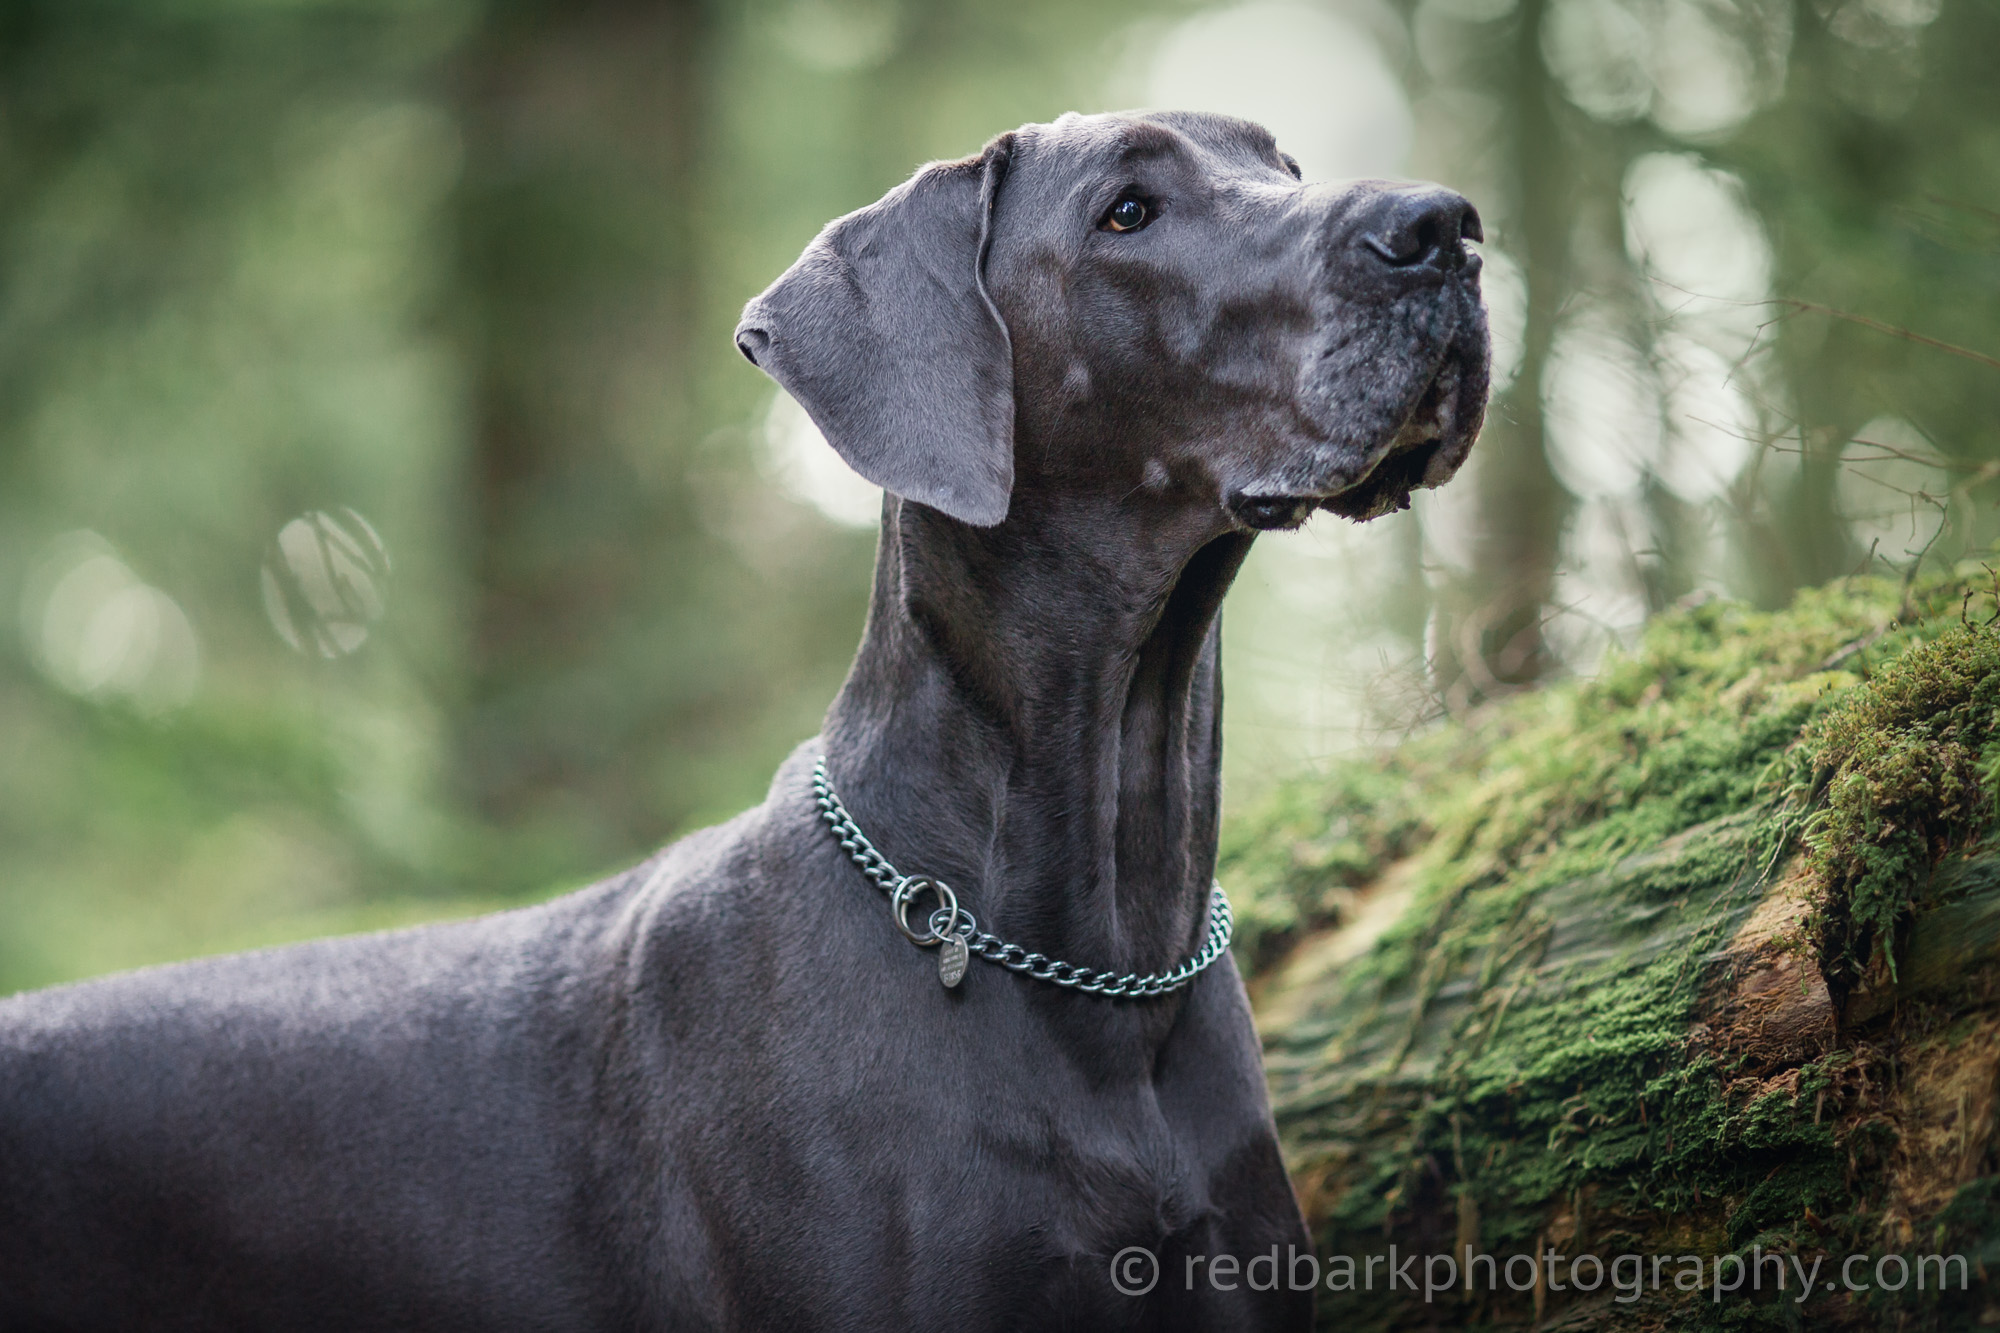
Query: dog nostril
x=1428, y=230
x=752, y=342
x=1397, y=252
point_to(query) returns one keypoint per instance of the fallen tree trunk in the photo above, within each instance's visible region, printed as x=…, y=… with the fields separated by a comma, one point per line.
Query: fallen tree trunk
x=1647, y=994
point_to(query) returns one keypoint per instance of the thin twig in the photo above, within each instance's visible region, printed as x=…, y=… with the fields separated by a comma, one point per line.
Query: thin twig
x=1813, y=307
x=1963, y=207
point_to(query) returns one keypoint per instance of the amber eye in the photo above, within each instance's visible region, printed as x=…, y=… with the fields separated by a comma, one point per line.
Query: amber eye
x=1128, y=214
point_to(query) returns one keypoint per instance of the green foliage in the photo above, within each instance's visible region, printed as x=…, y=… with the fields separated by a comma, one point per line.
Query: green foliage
x=471, y=270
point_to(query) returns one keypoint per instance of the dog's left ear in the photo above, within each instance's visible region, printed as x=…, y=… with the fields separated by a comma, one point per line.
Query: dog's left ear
x=884, y=332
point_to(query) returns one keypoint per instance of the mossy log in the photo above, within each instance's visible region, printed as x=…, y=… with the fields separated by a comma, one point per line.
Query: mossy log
x=1700, y=957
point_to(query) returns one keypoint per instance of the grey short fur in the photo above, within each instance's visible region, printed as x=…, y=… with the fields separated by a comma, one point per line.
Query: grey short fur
x=720, y=1091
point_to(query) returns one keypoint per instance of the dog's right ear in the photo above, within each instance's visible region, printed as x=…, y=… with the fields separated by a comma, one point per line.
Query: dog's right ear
x=884, y=332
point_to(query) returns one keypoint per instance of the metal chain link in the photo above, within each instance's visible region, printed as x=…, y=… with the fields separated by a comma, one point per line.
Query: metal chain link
x=1013, y=957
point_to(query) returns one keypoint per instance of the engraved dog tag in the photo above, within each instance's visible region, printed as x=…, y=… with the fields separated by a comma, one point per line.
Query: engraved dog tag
x=951, y=961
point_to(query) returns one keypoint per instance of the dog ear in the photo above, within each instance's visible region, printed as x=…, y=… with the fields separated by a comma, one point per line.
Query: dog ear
x=884, y=332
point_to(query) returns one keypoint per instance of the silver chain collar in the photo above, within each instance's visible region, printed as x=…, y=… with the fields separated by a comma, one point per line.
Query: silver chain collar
x=954, y=928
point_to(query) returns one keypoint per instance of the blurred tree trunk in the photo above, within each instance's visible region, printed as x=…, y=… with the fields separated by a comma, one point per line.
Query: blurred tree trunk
x=1524, y=505
x=1802, y=539
x=583, y=124
x=1497, y=611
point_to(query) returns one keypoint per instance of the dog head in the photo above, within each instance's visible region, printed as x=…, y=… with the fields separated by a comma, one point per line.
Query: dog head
x=1143, y=303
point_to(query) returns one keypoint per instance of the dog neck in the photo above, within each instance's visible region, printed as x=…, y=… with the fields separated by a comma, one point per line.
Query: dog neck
x=1034, y=717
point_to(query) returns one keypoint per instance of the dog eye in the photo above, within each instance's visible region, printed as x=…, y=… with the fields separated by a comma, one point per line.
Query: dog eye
x=1292, y=165
x=1128, y=214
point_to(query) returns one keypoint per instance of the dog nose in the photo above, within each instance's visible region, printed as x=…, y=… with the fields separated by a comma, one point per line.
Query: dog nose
x=1423, y=227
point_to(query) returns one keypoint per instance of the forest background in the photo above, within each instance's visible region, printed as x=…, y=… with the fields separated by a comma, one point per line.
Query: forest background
x=388, y=529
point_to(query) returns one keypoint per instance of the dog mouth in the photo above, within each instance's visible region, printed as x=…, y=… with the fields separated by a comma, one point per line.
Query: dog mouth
x=1425, y=450
x=1387, y=489
x=1421, y=453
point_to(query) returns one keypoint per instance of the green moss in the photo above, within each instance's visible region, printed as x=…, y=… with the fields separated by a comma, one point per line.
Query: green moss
x=1679, y=731
x=1310, y=845
x=1518, y=1056
x=1893, y=775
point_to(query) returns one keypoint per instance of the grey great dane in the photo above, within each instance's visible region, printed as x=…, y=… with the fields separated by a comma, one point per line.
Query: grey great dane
x=724, y=1090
